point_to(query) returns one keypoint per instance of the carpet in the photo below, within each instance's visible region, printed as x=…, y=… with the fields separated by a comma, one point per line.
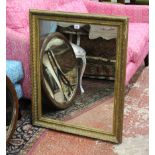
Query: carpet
x=25, y=134
x=135, y=130
x=84, y=101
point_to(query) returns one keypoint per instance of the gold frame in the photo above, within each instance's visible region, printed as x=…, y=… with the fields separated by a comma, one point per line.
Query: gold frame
x=122, y=24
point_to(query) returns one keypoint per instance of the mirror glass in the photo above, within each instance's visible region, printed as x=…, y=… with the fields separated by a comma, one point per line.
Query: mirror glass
x=62, y=98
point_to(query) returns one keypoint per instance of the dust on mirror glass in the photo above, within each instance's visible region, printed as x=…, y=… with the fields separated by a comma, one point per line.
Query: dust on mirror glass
x=78, y=73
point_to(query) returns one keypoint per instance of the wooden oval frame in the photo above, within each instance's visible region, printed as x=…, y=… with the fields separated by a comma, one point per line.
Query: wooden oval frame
x=14, y=97
x=55, y=103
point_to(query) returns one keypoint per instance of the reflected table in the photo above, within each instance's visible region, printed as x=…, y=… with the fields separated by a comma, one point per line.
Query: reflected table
x=80, y=53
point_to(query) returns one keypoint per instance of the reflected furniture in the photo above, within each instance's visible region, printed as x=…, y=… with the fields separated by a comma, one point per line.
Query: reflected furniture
x=61, y=73
x=17, y=30
x=80, y=54
x=99, y=43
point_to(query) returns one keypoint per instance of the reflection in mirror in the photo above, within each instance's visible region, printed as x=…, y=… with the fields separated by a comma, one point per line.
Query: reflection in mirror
x=95, y=107
x=59, y=70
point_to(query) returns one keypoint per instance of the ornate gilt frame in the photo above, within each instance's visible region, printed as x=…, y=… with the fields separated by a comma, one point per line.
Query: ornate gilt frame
x=122, y=24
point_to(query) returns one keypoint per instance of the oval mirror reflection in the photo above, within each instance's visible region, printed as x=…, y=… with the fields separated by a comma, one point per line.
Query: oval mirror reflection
x=58, y=70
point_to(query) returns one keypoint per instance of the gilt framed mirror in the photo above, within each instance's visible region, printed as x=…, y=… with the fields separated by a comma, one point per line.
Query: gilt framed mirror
x=78, y=65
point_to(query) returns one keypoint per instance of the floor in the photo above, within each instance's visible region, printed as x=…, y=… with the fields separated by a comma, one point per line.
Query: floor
x=135, y=130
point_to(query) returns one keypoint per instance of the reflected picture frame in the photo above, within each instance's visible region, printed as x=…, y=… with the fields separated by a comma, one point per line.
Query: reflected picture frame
x=119, y=88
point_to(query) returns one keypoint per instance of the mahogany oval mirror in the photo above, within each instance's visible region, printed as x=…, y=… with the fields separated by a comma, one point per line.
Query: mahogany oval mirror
x=59, y=71
x=11, y=109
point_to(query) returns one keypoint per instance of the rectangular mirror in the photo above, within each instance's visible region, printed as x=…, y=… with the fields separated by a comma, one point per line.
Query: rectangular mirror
x=78, y=64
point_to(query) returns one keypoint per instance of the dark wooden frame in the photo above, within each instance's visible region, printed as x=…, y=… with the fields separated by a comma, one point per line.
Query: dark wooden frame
x=12, y=126
x=131, y=2
x=134, y=2
x=104, y=0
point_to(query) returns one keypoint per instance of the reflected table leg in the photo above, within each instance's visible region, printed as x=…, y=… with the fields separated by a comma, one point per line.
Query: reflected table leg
x=80, y=54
